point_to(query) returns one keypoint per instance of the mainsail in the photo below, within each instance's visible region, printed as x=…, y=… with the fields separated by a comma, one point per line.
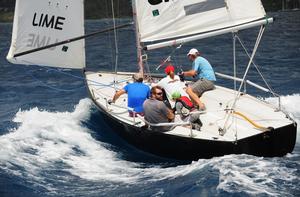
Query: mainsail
x=39, y=23
x=167, y=19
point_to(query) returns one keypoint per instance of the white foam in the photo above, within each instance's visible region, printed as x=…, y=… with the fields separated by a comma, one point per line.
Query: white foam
x=254, y=175
x=45, y=138
x=290, y=103
x=249, y=174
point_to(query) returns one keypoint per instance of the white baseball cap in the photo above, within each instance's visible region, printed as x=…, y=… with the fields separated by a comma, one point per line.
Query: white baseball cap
x=193, y=52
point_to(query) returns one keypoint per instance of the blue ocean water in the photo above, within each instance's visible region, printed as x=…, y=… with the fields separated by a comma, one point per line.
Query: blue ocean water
x=53, y=141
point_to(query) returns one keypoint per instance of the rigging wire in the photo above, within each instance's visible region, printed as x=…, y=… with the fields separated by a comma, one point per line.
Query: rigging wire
x=64, y=73
x=261, y=31
x=115, y=39
x=234, y=34
x=256, y=66
x=109, y=34
x=52, y=87
x=168, y=59
x=177, y=61
x=148, y=69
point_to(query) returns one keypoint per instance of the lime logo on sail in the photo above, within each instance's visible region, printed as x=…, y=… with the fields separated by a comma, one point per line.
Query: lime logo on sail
x=155, y=12
x=43, y=20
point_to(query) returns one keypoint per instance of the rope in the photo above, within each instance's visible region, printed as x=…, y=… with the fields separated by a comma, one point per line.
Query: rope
x=51, y=87
x=250, y=121
x=67, y=74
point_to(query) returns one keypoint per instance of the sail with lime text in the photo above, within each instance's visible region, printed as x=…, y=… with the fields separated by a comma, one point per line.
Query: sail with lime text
x=169, y=19
x=38, y=23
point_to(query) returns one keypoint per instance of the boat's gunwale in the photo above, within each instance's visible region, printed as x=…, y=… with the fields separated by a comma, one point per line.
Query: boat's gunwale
x=189, y=153
x=103, y=109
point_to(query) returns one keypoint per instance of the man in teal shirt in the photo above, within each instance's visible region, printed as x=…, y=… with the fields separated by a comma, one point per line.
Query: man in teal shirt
x=204, y=74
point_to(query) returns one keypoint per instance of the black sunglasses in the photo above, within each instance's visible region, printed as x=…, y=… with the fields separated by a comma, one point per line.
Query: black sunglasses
x=160, y=93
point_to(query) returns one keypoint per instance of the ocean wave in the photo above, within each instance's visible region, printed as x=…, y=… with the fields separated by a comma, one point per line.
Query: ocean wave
x=56, y=146
x=256, y=175
x=44, y=138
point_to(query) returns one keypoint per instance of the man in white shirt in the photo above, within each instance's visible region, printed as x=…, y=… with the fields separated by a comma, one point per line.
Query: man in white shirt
x=171, y=84
x=175, y=89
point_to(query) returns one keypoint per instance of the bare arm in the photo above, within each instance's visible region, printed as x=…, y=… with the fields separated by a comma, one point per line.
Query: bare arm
x=170, y=115
x=118, y=94
x=190, y=73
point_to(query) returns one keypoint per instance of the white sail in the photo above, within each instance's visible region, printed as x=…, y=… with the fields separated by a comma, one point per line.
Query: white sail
x=166, y=19
x=39, y=23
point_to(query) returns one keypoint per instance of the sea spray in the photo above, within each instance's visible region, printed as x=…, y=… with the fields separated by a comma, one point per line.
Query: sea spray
x=56, y=144
x=290, y=104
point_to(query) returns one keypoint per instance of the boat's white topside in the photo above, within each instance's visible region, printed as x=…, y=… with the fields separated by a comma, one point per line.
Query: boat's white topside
x=101, y=87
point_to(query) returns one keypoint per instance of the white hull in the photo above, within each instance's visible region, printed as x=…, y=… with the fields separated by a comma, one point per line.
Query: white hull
x=216, y=101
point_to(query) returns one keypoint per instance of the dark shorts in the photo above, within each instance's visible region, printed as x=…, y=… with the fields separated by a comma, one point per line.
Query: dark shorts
x=136, y=113
x=201, y=86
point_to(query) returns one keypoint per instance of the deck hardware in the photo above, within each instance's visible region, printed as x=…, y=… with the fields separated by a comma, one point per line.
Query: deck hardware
x=144, y=57
x=191, y=130
x=221, y=131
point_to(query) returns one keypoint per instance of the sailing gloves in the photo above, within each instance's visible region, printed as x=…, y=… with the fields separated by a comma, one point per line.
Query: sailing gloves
x=181, y=76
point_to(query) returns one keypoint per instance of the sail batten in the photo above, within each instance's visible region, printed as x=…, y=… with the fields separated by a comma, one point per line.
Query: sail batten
x=39, y=23
x=162, y=20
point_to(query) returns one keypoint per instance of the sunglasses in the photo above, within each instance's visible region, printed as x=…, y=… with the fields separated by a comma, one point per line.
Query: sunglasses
x=159, y=93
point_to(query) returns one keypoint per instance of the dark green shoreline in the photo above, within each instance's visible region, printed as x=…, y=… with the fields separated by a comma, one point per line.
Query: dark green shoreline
x=97, y=9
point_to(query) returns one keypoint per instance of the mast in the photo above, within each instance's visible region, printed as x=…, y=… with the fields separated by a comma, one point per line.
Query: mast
x=138, y=39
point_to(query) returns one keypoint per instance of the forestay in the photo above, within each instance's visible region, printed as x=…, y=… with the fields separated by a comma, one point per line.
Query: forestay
x=38, y=23
x=166, y=19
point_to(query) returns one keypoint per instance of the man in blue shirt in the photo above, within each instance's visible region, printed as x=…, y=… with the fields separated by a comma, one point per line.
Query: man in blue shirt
x=137, y=92
x=204, y=74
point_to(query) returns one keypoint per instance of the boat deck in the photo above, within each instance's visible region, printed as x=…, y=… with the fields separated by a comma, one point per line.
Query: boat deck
x=252, y=110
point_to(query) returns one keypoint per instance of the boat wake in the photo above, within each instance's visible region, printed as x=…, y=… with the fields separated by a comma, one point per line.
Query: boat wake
x=54, y=150
x=47, y=142
x=290, y=104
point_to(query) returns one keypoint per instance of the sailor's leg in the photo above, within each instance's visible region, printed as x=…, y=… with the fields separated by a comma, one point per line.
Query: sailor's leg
x=195, y=98
x=201, y=86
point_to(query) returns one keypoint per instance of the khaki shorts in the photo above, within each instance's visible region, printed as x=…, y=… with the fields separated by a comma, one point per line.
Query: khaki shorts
x=201, y=86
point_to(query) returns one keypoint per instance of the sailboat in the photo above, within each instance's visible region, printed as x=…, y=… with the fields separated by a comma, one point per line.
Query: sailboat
x=51, y=33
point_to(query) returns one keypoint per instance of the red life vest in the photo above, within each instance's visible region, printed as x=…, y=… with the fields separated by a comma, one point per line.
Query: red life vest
x=186, y=102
